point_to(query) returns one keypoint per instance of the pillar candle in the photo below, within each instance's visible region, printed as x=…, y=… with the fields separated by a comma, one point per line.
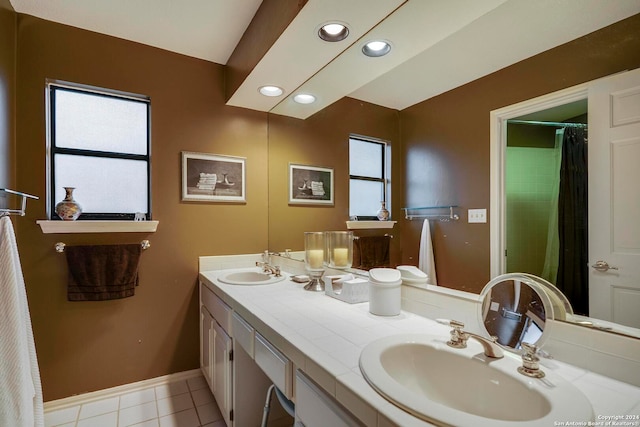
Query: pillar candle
x=341, y=257
x=315, y=258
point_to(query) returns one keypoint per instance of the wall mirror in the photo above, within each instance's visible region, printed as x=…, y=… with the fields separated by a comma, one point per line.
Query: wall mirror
x=312, y=142
x=602, y=298
x=515, y=309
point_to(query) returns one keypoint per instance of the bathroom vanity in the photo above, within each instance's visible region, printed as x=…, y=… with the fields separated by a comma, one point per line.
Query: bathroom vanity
x=309, y=346
x=241, y=355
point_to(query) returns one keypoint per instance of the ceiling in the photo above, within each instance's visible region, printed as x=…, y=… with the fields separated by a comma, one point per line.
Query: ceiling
x=437, y=45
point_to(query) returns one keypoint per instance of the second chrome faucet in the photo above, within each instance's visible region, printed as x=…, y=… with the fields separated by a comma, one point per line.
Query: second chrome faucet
x=267, y=268
x=266, y=264
x=459, y=339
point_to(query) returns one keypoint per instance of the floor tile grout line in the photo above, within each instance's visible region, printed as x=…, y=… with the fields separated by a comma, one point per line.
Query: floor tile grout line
x=119, y=406
x=78, y=416
x=195, y=408
x=157, y=410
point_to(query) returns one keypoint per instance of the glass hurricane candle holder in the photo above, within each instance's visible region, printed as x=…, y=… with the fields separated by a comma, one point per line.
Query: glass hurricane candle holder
x=314, y=259
x=340, y=249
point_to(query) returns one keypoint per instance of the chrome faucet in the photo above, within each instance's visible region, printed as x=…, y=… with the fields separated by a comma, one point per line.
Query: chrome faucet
x=530, y=361
x=459, y=339
x=266, y=264
x=267, y=268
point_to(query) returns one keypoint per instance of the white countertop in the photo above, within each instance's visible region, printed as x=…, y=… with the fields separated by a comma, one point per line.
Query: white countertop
x=324, y=337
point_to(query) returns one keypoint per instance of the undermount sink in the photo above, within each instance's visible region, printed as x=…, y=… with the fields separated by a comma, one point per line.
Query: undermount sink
x=249, y=278
x=462, y=387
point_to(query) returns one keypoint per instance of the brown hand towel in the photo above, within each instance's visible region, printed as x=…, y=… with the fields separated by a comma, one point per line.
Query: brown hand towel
x=102, y=272
x=371, y=252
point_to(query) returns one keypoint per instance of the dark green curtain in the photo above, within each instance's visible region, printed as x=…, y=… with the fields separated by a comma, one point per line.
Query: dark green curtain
x=573, y=267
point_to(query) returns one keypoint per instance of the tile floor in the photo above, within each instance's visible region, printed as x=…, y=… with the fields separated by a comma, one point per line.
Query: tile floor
x=186, y=403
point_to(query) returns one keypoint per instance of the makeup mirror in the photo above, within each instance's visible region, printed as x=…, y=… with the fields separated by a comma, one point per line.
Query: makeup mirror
x=515, y=308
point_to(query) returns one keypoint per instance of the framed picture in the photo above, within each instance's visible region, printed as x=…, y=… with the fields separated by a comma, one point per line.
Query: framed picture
x=213, y=178
x=310, y=185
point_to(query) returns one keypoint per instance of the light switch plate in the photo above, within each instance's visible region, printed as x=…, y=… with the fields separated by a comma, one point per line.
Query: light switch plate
x=477, y=215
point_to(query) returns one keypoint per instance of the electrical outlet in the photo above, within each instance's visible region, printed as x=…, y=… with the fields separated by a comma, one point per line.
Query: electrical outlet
x=477, y=215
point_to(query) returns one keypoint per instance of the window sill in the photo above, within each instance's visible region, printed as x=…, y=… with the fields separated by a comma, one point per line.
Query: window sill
x=52, y=227
x=359, y=225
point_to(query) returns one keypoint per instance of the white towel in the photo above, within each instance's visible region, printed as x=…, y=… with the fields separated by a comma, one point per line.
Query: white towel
x=20, y=388
x=426, y=262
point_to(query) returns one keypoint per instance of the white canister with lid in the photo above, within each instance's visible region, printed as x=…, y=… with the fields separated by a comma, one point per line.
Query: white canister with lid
x=384, y=291
x=412, y=275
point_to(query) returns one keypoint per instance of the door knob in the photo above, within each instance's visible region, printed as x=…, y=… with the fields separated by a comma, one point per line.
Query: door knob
x=603, y=266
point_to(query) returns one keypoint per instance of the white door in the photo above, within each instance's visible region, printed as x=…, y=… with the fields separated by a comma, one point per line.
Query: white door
x=614, y=198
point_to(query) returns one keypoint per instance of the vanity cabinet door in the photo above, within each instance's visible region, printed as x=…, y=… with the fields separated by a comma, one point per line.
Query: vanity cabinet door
x=206, y=344
x=222, y=372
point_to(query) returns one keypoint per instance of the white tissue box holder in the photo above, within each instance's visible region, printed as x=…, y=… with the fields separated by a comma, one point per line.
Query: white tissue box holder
x=352, y=291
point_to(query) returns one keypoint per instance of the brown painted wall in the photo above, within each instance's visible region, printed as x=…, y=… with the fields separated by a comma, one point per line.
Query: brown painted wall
x=446, y=142
x=323, y=140
x=93, y=345
x=7, y=98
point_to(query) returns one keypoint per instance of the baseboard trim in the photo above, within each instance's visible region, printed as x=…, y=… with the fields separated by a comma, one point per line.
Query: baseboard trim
x=66, y=402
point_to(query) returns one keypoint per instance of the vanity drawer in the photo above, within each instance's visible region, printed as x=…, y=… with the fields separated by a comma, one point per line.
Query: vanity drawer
x=218, y=309
x=243, y=333
x=315, y=408
x=274, y=364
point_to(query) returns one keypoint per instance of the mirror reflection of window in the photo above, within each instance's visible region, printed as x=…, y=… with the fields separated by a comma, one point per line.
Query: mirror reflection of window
x=532, y=331
x=369, y=171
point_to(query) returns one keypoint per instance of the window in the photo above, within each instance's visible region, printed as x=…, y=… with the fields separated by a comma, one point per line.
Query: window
x=99, y=143
x=369, y=162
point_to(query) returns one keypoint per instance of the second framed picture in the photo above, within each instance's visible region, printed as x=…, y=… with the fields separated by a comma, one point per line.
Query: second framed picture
x=213, y=178
x=310, y=185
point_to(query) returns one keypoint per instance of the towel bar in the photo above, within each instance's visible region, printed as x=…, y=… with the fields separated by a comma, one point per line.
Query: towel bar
x=23, y=202
x=59, y=247
x=386, y=235
x=442, y=217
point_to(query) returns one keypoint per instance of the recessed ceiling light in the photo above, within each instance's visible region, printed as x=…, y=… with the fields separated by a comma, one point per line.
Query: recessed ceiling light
x=333, y=32
x=304, y=98
x=271, y=90
x=376, y=48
